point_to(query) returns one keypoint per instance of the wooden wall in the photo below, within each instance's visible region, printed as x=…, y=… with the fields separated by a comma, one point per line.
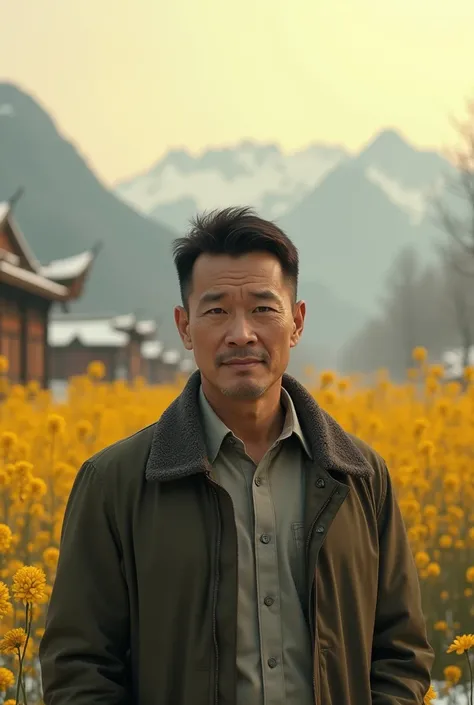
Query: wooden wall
x=23, y=334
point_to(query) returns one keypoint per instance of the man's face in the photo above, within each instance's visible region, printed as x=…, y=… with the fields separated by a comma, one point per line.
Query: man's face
x=241, y=322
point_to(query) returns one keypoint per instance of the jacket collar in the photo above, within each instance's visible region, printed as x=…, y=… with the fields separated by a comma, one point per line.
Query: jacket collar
x=178, y=448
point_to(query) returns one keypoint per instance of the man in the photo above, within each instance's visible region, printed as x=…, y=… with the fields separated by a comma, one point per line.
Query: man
x=243, y=550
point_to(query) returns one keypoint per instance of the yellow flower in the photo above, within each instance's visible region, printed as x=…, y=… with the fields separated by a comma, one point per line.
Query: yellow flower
x=327, y=378
x=422, y=559
x=10, y=701
x=13, y=640
x=444, y=595
x=7, y=679
x=5, y=538
x=419, y=354
x=430, y=696
x=452, y=674
x=4, y=366
x=440, y=626
x=8, y=441
x=461, y=644
x=84, y=429
x=29, y=584
x=433, y=570
x=5, y=604
x=445, y=541
x=96, y=370
x=50, y=557
x=470, y=574
x=420, y=426
x=38, y=488
x=55, y=424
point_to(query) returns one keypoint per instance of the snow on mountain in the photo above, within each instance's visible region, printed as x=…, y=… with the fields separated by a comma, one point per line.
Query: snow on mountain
x=248, y=174
x=275, y=182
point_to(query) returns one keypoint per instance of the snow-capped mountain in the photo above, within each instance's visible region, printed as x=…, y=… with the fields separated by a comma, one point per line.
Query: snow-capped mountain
x=253, y=174
x=275, y=182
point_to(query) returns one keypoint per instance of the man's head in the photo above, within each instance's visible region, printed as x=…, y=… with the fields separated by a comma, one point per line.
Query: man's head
x=238, y=277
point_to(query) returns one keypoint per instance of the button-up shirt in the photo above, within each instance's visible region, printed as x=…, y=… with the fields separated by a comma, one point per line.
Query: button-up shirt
x=274, y=652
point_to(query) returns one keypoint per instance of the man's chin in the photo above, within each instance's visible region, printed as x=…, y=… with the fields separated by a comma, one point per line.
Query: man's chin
x=244, y=390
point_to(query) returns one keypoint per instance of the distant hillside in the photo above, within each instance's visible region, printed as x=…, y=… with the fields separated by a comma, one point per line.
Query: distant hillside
x=350, y=215
x=260, y=175
x=65, y=208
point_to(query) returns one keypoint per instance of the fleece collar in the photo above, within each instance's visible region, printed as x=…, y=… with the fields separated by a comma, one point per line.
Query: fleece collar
x=178, y=447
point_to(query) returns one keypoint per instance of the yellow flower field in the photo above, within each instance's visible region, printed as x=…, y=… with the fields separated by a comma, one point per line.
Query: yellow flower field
x=423, y=428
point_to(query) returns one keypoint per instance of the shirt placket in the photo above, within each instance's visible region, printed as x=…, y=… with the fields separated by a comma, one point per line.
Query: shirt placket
x=267, y=575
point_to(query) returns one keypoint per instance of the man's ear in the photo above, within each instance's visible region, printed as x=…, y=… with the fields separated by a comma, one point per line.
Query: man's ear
x=299, y=313
x=181, y=319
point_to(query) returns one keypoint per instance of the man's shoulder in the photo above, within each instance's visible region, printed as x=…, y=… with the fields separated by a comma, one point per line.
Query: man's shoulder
x=380, y=475
x=128, y=455
x=374, y=458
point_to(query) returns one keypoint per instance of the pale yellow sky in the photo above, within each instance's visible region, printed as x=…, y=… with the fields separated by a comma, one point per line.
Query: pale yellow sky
x=128, y=80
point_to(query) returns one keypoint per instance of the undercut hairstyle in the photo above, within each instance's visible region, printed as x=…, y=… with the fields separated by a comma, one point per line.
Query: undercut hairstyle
x=235, y=232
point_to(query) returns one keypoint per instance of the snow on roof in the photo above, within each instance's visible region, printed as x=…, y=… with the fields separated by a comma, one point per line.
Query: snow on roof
x=146, y=327
x=31, y=259
x=130, y=322
x=151, y=349
x=68, y=268
x=125, y=321
x=92, y=333
x=33, y=278
x=170, y=357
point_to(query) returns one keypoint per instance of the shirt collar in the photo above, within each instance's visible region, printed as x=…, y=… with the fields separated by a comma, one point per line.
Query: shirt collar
x=215, y=430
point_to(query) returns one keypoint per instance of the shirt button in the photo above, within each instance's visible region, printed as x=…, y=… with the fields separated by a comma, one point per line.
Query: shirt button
x=258, y=481
x=265, y=538
x=269, y=601
x=320, y=483
x=272, y=662
x=320, y=529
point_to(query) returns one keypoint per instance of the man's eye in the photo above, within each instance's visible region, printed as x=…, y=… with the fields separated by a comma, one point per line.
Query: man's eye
x=263, y=309
x=215, y=310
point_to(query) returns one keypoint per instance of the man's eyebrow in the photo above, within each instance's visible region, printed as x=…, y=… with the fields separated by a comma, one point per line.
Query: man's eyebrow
x=265, y=295
x=210, y=297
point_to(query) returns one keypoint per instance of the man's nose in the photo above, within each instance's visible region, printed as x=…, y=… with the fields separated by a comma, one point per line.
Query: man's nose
x=240, y=332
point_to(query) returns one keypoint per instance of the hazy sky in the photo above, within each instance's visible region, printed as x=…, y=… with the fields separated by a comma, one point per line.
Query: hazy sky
x=128, y=80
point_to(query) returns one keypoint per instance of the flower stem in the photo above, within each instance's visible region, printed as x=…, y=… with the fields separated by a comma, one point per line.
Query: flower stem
x=20, y=673
x=471, y=699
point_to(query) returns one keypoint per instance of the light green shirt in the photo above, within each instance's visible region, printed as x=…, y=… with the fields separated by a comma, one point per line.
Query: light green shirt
x=274, y=652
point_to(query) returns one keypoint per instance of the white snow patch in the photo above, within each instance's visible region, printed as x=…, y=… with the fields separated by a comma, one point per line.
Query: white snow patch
x=93, y=333
x=7, y=110
x=453, y=360
x=170, y=357
x=151, y=349
x=284, y=178
x=414, y=202
x=68, y=268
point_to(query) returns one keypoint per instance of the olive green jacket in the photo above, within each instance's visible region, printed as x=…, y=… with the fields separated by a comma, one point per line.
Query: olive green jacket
x=144, y=606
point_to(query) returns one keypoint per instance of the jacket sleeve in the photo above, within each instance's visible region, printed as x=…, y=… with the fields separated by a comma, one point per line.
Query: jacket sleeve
x=84, y=648
x=402, y=658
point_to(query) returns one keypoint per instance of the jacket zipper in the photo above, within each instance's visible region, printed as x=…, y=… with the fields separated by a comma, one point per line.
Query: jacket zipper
x=311, y=603
x=216, y=588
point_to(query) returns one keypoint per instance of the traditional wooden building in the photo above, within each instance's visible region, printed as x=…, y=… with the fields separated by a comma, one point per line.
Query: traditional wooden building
x=27, y=291
x=75, y=341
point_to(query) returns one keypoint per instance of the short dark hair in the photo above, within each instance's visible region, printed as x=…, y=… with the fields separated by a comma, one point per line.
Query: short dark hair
x=232, y=231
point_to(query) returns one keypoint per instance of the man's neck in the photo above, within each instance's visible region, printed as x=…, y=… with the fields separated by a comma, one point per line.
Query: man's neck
x=257, y=422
